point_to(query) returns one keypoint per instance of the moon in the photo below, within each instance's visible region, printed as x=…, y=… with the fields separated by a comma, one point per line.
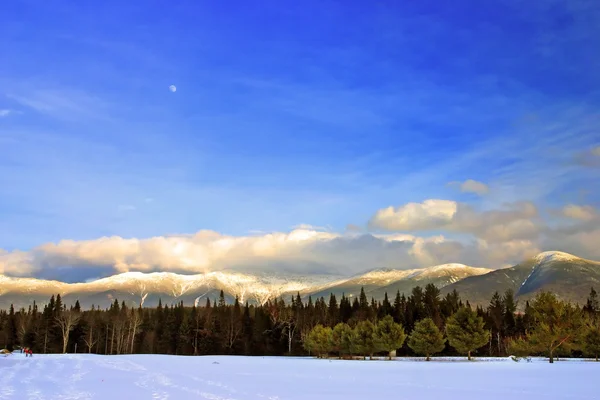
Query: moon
x=173, y=88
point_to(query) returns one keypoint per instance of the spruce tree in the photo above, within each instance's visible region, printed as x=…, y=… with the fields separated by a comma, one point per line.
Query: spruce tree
x=466, y=331
x=510, y=307
x=495, y=312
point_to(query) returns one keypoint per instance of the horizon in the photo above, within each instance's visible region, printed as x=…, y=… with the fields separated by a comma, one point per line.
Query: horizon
x=320, y=138
x=332, y=278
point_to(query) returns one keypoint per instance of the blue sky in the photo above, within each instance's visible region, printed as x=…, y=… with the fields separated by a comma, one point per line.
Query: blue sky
x=287, y=113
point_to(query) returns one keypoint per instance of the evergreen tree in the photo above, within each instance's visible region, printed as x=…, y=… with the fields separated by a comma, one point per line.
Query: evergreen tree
x=11, y=329
x=510, y=307
x=332, y=311
x=557, y=324
x=318, y=341
x=342, y=338
x=495, y=311
x=591, y=342
x=389, y=336
x=345, y=309
x=365, y=338
x=431, y=303
x=426, y=339
x=385, y=308
x=592, y=306
x=466, y=331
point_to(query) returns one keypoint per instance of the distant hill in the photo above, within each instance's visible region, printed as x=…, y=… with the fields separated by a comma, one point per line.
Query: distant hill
x=566, y=275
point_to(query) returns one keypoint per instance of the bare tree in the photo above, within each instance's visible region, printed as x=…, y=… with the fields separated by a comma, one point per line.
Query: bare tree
x=89, y=339
x=135, y=321
x=66, y=321
x=283, y=318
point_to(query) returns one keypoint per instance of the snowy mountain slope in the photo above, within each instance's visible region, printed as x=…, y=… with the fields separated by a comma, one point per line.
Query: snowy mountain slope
x=377, y=282
x=147, y=288
x=568, y=276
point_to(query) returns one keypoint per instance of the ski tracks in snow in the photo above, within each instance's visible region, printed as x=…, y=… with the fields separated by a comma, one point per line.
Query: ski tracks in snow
x=43, y=378
x=162, y=387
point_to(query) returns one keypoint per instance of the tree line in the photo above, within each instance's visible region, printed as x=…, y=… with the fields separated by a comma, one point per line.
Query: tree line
x=422, y=323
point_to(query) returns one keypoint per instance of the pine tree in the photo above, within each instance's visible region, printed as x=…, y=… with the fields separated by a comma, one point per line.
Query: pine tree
x=11, y=336
x=591, y=342
x=557, y=324
x=495, y=312
x=365, y=338
x=332, y=311
x=592, y=306
x=318, y=340
x=426, y=339
x=389, y=336
x=510, y=307
x=386, y=307
x=466, y=331
x=342, y=338
x=431, y=303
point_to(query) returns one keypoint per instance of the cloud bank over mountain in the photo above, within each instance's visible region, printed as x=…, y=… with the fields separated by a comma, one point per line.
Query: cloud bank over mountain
x=448, y=231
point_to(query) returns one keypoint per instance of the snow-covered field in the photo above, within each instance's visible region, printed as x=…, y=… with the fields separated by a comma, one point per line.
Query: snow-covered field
x=219, y=378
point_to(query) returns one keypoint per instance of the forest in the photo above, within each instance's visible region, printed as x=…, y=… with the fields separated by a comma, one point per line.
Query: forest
x=421, y=324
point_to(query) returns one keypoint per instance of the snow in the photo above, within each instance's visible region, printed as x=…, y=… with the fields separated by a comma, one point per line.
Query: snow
x=384, y=277
x=245, y=286
x=549, y=256
x=277, y=378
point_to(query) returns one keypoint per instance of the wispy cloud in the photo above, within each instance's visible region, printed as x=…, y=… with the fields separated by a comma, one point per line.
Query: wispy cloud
x=588, y=157
x=5, y=112
x=472, y=186
x=61, y=103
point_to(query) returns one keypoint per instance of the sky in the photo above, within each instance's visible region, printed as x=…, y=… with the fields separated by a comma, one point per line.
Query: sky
x=313, y=137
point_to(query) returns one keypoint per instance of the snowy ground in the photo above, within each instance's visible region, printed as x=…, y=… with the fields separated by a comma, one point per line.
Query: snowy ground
x=218, y=378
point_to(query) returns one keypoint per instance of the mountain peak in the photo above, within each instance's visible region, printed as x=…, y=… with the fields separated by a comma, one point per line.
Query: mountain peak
x=550, y=256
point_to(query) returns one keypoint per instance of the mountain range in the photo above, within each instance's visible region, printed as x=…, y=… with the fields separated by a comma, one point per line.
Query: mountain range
x=566, y=275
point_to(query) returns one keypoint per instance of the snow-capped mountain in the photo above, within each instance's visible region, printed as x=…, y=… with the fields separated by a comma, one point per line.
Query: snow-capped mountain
x=380, y=281
x=146, y=289
x=567, y=275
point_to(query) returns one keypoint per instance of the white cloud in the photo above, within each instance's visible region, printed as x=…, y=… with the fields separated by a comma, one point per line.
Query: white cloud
x=500, y=238
x=472, y=186
x=208, y=250
x=515, y=221
x=5, y=113
x=301, y=251
x=430, y=214
x=582, y=213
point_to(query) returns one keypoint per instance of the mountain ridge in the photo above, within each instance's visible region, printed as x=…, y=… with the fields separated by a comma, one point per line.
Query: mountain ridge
x=554, y=270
